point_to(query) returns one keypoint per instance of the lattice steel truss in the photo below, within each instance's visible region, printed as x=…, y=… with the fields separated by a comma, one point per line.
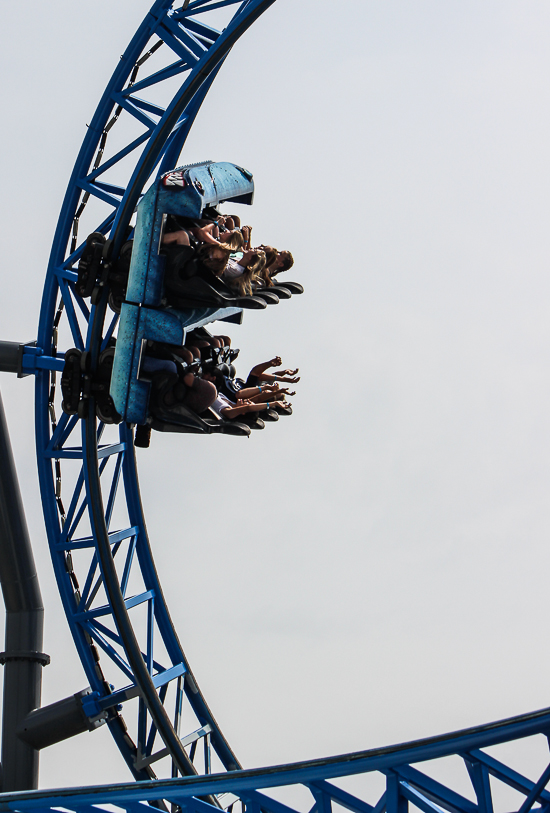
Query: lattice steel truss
x=452, y=773
x=96, y=530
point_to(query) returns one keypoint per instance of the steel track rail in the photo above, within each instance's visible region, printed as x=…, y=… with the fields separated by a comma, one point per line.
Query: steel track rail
x=390, y=760
x=162, y=142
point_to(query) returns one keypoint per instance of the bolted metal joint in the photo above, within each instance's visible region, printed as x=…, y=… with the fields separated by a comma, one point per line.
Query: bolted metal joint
x=57, y=722
x=22, y=655
x=11, y=357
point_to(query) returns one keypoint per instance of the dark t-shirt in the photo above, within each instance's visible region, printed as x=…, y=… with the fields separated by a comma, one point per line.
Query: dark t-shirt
x=181, y=262
x=232, y=386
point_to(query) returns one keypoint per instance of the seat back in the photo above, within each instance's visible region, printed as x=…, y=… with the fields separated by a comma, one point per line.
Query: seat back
x=138, y=325
x=186, y=191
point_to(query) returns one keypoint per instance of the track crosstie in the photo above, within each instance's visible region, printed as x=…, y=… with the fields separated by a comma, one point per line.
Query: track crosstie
x=140, y=679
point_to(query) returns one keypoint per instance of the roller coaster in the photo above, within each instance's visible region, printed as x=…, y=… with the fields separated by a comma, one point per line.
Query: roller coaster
x=91, y=394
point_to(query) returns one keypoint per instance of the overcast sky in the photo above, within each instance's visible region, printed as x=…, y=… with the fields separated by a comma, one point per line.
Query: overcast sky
x=375, y=568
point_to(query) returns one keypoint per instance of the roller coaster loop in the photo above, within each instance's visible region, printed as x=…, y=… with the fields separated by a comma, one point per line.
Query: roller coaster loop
x=99, y=545
x=98, y=540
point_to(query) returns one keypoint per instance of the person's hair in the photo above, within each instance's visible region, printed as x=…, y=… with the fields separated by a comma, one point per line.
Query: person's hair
x=234, y=240
x=270, y=257
x=288, y=260
x=265, y=277
x=251, y=273
x=269, y=251
x=216, y=265
x=236, y=220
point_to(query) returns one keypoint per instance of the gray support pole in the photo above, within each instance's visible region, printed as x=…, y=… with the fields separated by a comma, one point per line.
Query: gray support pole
x=9, y=357
x=23, y=657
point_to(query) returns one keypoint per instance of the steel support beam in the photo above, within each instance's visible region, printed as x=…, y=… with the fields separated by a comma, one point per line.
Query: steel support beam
x=11, y=357
x=58, y=721
x=23, y=656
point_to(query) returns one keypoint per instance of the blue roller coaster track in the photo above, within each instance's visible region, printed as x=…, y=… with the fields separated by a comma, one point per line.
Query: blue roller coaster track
x=94, y=518
x=404, y=774
x=141, y=684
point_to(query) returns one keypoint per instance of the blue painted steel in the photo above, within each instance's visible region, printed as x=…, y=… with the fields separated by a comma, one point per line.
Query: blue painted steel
x=87, y=472
x=217, y=182
x=206, y=184
x=251, y=791
x=137, y=325
x=100, y=605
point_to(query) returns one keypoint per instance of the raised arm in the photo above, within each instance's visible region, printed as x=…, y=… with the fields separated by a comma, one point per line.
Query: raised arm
x=207, y=234
x=253, y=392
x=270, y=378
x=242, y=409
x=180, y=237
x=259, y=369
x=246, y=232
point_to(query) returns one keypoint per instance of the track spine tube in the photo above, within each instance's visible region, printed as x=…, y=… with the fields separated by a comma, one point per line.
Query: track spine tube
x=120, y=613
x=178, y=138
x=154, y=148
x=163, y=143
x=195, y=697
x=108, y=570
x=86, y=153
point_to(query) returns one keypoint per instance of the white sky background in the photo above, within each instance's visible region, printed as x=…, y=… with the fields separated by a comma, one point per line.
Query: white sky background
x=375, y=568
